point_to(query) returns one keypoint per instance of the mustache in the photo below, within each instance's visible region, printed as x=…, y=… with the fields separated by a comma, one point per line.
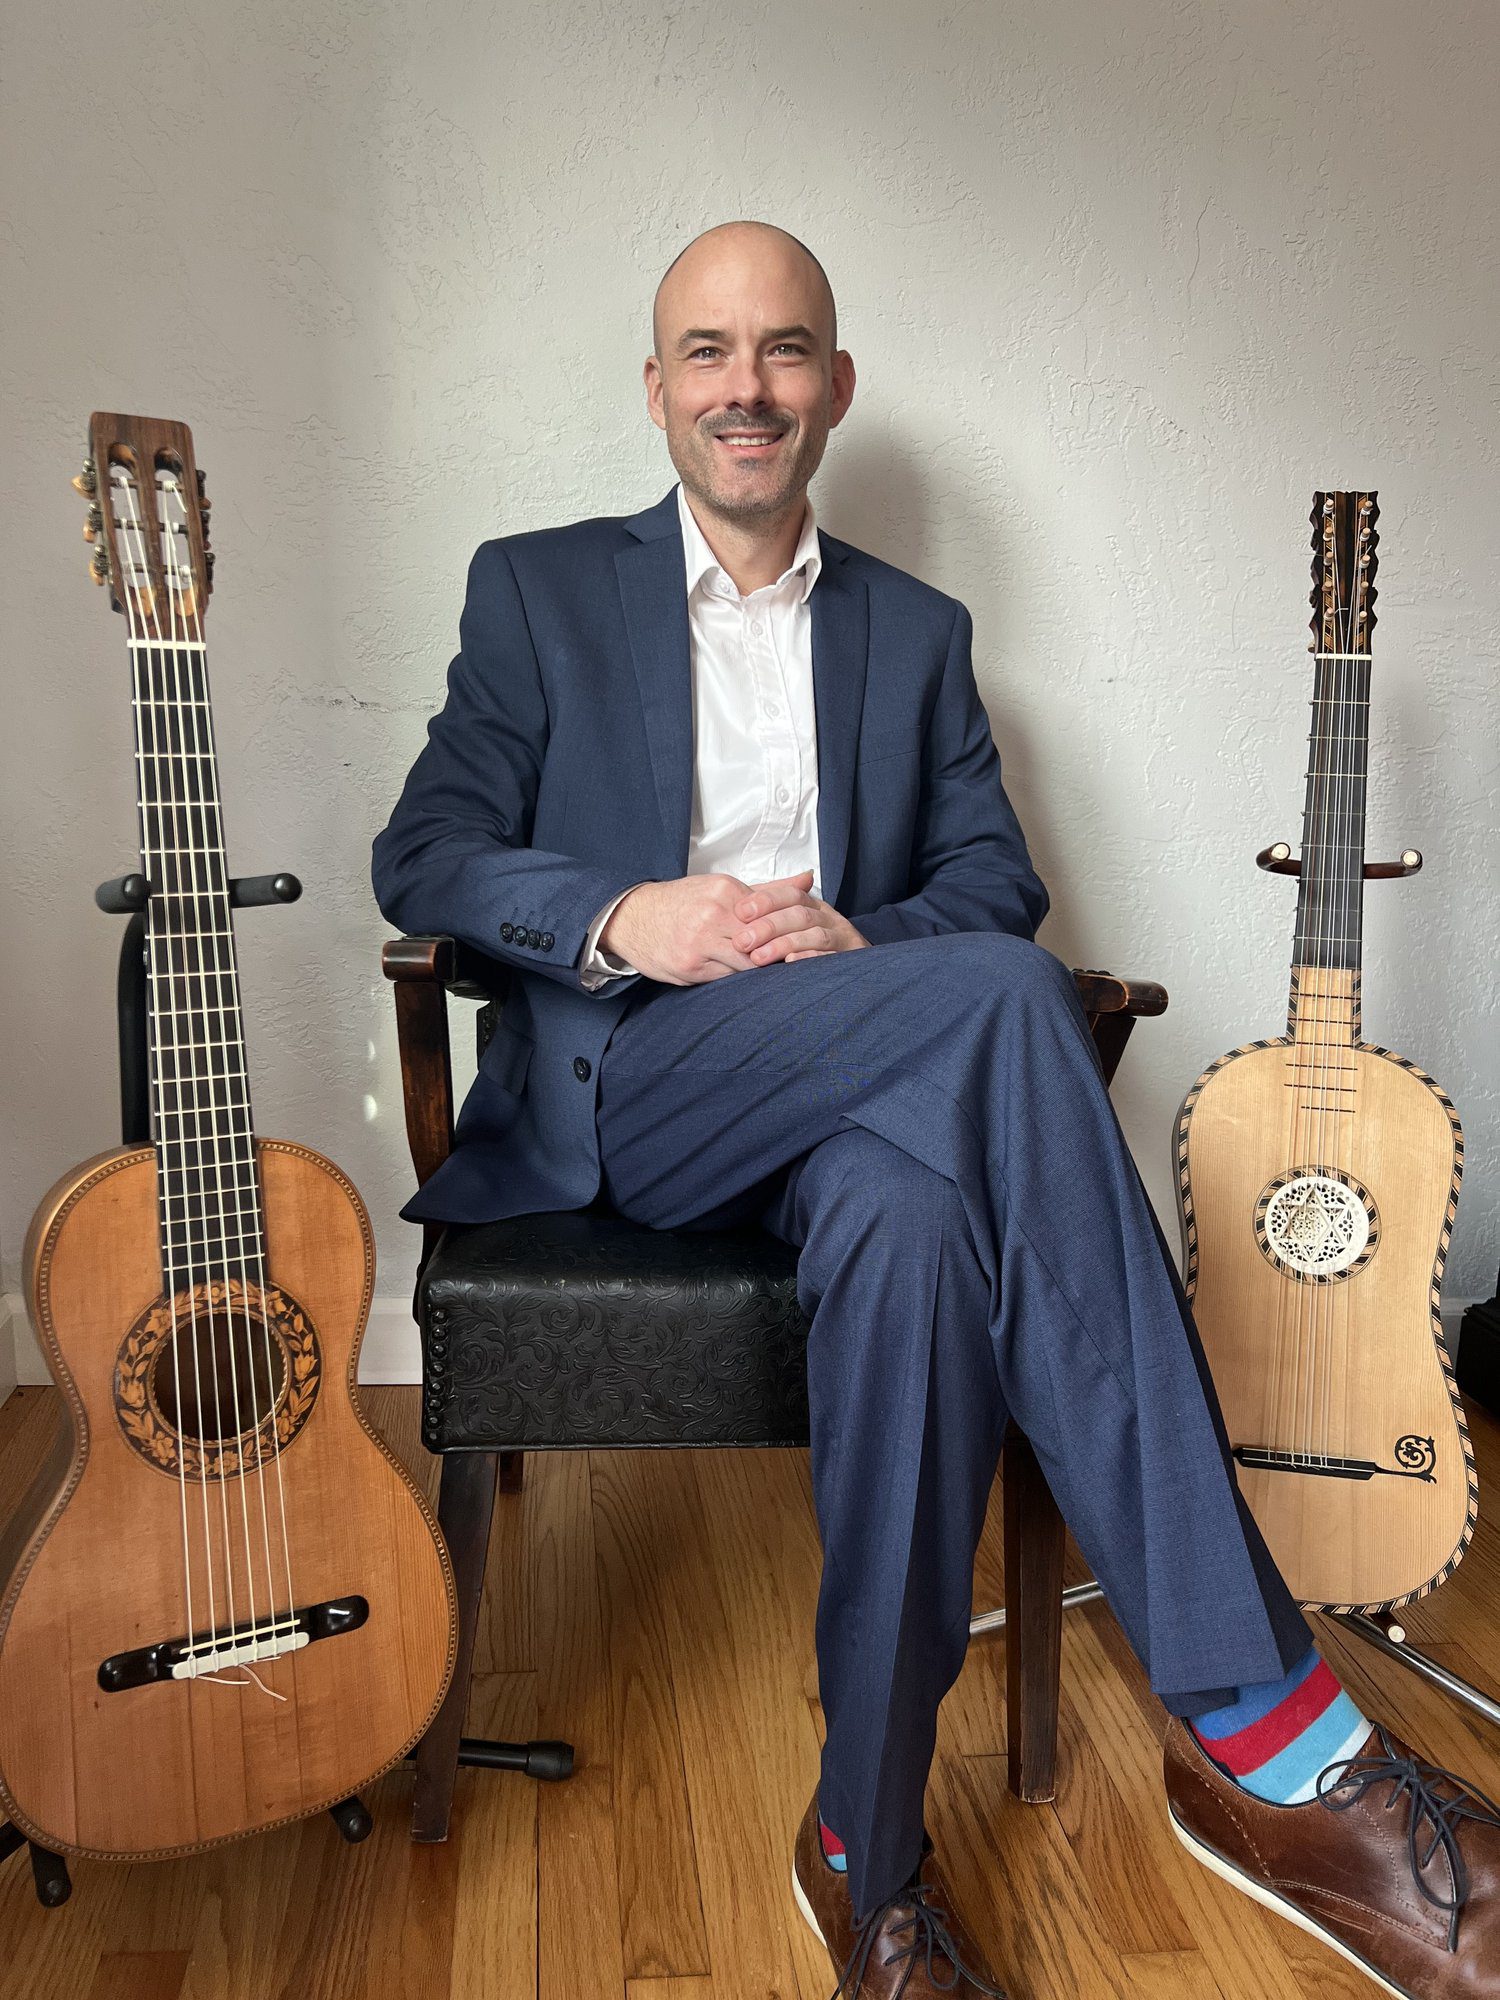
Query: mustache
x=727, y=425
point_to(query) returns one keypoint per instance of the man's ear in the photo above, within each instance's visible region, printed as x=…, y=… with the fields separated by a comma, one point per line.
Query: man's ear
x=651, y=375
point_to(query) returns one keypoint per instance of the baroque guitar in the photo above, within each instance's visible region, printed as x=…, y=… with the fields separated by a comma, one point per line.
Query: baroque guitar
x=225, y=1603
x=1318, y=1179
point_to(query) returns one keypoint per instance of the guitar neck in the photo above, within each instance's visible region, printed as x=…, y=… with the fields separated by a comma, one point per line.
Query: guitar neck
x=1326, y=949
x=208, y=1187
x=1323, y=1007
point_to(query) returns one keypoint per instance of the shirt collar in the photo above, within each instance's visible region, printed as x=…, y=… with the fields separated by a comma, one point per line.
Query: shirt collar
x=699, y=559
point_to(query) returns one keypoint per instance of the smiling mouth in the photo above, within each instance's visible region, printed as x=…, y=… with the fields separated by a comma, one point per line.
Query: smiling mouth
x=749, y=444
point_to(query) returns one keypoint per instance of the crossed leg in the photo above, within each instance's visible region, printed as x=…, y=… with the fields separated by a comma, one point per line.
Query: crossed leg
x=928, y=1123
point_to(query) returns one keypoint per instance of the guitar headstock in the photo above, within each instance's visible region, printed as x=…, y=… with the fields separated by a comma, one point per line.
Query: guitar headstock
x=148, y=522
x=1343, y=571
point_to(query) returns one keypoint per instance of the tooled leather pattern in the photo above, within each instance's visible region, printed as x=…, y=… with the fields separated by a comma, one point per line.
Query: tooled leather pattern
x=578, y=1328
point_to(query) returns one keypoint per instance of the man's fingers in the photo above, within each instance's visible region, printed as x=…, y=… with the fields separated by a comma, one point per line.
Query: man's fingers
x=773, y=895
x=777, y=923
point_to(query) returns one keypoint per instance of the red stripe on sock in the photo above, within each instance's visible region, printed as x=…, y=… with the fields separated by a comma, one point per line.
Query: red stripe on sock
x=831, y=1843
x=1250, y=1748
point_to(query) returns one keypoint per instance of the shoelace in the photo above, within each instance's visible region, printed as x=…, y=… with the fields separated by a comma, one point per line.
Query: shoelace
x=931, y=1935
x=1352, y=1777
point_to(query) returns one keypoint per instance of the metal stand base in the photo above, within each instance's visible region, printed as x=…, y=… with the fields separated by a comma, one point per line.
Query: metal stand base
x=1400, y=1648
x=1393, y=1642
x=1076, y=1594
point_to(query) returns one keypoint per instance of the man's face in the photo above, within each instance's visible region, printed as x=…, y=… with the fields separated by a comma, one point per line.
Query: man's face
x=744, y=381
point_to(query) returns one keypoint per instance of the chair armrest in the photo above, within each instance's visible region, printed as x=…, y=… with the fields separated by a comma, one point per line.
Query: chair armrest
x=421, y=970
x=424, y=970
x=1114, y=1004
x=1113, y=993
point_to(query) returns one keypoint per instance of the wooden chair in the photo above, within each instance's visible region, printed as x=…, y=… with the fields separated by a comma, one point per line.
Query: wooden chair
x=581, y=1330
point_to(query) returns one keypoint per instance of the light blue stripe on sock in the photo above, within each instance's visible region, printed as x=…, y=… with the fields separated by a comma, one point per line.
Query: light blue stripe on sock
x=1253, y=1703
x=1293, y=1769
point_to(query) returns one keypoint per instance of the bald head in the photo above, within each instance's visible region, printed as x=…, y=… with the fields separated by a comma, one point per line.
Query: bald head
x=730, y=251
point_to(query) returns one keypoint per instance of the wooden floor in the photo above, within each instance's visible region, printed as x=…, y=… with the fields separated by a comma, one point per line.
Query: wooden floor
x=657, y=1609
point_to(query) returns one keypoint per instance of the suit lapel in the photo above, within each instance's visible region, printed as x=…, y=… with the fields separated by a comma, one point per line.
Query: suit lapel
x=653, y=595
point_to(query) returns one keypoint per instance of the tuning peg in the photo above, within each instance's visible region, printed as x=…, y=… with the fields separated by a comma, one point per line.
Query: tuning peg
x=93, y=521
x=202, y=480
x=1277, y=860
x=100, y=565
x=85, y=482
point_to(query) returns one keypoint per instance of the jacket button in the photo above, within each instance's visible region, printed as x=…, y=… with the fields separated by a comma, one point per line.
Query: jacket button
x=548, y=940
x=583, y=1069
x=507, y=932
x=526, y=937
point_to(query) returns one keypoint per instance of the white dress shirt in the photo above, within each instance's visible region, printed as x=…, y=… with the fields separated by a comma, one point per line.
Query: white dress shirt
x=755, y=747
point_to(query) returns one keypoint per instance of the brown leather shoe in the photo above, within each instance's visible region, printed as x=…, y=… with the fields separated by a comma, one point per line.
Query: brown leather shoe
x=1396, y=1863
x=908, y=1945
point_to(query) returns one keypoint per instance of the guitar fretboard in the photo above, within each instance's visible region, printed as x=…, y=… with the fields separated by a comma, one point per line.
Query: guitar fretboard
x=210, y=1201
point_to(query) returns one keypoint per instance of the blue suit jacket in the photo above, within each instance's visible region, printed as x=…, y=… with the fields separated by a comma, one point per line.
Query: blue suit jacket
x=560, y=772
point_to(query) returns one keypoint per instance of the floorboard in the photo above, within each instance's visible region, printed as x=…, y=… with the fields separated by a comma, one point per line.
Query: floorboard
x=656, y=1608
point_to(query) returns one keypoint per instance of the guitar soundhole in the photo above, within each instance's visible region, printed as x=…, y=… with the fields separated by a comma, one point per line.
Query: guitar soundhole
x=1317, y=1224
x=269, y=1369
x=218, y=1375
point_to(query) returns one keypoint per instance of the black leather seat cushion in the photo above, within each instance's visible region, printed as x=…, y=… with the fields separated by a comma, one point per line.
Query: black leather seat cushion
x=581, y=1328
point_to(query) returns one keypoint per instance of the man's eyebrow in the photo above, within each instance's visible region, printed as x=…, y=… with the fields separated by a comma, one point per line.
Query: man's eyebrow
x=695, y=334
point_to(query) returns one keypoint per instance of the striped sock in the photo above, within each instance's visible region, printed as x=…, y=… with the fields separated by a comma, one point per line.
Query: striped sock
x=833, y=1847
x=1274, y=1738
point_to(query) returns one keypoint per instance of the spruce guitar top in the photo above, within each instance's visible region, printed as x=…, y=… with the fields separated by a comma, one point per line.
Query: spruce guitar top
x=1318, y=1180
x=225, y=1603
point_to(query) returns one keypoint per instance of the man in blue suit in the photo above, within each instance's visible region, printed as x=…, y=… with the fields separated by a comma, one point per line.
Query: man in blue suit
x=721, y=789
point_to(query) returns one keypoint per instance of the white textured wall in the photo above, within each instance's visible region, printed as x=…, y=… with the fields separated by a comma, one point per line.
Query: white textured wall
x=1123, y=282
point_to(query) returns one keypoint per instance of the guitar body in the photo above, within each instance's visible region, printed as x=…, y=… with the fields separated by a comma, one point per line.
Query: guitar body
x=93, y=1568
x=1319, y=1316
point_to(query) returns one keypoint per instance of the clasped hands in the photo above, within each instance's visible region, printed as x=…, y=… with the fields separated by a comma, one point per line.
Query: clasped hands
x=703, y=927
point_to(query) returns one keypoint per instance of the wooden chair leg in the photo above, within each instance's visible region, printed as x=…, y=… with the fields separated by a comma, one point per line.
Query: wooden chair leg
x=512, y=1471
x=466, y=1506
x=1033, y=1623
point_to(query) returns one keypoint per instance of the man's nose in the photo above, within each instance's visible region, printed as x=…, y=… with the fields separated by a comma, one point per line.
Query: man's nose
x=746, y=388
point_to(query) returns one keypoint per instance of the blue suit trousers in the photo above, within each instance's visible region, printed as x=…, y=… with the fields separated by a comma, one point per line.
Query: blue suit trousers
x=928, y=1123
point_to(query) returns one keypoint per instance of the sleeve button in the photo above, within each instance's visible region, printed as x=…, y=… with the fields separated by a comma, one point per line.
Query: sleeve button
x=547, y=940
x=507, y=932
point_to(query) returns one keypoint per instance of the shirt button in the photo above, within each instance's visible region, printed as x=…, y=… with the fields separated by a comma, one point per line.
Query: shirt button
x=757, y=628
x=507, y=932
x=773, y=708
x=582, y=1068
x=782, y=795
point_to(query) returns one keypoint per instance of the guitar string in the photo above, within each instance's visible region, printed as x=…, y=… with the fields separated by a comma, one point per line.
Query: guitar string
x=258, y=1240
x=201, y=838
x=1304, y=1058
x=1334, y=1310
x=194, y=838
x=1330, y=927
x=1303, y=1417
x=122, y=482
x=1359, y=718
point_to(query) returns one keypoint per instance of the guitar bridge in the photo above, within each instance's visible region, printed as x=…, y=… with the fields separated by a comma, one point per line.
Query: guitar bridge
x=1415, y=1458
x=247, y=1644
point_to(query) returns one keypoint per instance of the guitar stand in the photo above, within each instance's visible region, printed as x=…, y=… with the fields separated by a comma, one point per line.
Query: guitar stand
x=127, y=896
x=1385, y=1633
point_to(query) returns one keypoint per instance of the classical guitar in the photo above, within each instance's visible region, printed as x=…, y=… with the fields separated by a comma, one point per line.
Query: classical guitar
x=225, y=1604
x=1318, y=1179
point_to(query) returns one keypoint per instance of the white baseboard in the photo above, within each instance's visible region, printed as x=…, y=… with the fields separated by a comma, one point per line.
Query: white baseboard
x=391, y=1351
x=12, y=1324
